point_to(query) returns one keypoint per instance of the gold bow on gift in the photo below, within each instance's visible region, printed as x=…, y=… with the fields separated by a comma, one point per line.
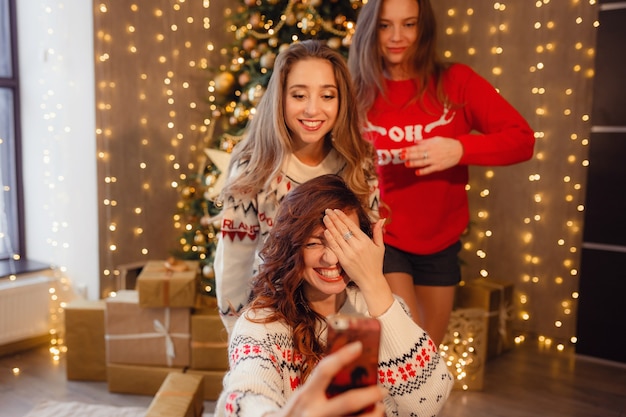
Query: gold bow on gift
x=174, y=265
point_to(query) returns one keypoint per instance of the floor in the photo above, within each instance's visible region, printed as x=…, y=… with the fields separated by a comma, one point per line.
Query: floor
x=527, y=381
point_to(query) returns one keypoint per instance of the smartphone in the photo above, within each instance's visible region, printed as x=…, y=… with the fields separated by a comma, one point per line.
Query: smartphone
x=344, y=329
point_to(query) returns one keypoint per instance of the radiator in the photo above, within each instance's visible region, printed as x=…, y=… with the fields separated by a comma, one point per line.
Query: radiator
x=24, y=308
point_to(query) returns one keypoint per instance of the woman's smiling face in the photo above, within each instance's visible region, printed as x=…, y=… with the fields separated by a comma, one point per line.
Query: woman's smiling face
x=311, y=101
x=322, y=273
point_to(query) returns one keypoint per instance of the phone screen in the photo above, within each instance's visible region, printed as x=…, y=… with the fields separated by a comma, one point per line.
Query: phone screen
x=344, y=329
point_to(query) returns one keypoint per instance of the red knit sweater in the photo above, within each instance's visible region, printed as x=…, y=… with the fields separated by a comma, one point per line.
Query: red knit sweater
x=429, y=213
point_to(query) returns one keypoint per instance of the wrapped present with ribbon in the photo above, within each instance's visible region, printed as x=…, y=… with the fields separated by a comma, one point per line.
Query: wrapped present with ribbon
x=169, y=283
x=146, y=336
x=180, y=395
x=464, y=347
x=209, y=343
x=496, y=298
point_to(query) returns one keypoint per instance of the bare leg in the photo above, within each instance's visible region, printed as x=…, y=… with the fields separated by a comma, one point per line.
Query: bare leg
x=435, y=305
x=401, y=284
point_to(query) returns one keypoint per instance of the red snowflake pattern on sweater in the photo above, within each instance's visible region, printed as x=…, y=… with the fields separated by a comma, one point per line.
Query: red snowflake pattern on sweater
x=409, y=368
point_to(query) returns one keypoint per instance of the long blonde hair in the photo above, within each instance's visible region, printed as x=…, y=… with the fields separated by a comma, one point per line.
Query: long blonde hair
x=258, y=158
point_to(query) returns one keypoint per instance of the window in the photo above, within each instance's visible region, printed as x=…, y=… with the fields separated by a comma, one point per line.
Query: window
x=11, y=228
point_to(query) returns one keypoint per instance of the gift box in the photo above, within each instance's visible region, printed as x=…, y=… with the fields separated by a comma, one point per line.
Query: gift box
x=146, y=336
x=180, y=395
x=209, y=343
x=137, y=379
x=84, y=339
x=168, y=284
x=213, y=382
x=205, y=304
x=496, y=298
x=464, y=347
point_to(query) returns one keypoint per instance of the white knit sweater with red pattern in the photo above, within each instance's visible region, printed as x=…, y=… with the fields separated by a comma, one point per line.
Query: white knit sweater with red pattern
x=264, y=372
x=246, y=224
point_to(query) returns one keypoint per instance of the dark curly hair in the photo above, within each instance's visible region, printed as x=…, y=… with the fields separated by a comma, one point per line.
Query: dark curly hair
x=277, y=286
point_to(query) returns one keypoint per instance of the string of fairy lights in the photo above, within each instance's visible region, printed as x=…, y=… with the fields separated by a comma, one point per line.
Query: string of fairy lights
x=161, y=32
x=547, y=275
x=543, y=274
x=540, y=273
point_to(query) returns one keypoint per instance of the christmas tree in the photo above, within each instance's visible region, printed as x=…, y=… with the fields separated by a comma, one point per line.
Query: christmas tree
x=261, y=29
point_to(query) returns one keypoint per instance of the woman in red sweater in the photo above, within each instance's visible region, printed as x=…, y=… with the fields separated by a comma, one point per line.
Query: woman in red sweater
x=428, y=120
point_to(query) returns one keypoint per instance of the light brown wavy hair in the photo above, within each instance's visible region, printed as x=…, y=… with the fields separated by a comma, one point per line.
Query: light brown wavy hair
x=268, y=141
x=365, y=58
x=278, y=284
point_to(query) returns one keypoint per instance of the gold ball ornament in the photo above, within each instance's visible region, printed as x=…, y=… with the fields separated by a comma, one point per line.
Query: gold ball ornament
x=255, y=20
x=208, y=272
x=291, y=19
x=334, y=43
x=244, y=78
x=268, y=59
x=250, y=3
x=199, y=238
x=340, y=20
x=255, y=93
x=224, y=82
x=241, y=113
x=249, y=44
x=263, y=47
x=210, y=179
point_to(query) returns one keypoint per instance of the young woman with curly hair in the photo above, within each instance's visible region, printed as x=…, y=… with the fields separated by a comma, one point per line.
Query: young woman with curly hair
x=321, y=258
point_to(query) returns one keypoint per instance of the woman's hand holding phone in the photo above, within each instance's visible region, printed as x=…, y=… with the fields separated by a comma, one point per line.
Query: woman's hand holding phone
x=363, y=370
x=311, y=399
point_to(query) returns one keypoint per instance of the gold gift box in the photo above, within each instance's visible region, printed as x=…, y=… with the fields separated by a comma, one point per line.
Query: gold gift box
x=136, y=379
x=164, y=284
x=146, y=336
x=209, y=343
x=180, y=395
x=464, y=347
x=213, y=382
x=205, y=304
x=496, y=298
x=84, y=339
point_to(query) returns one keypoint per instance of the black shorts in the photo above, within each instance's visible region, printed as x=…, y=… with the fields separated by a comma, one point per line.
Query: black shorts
x=438, y=269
